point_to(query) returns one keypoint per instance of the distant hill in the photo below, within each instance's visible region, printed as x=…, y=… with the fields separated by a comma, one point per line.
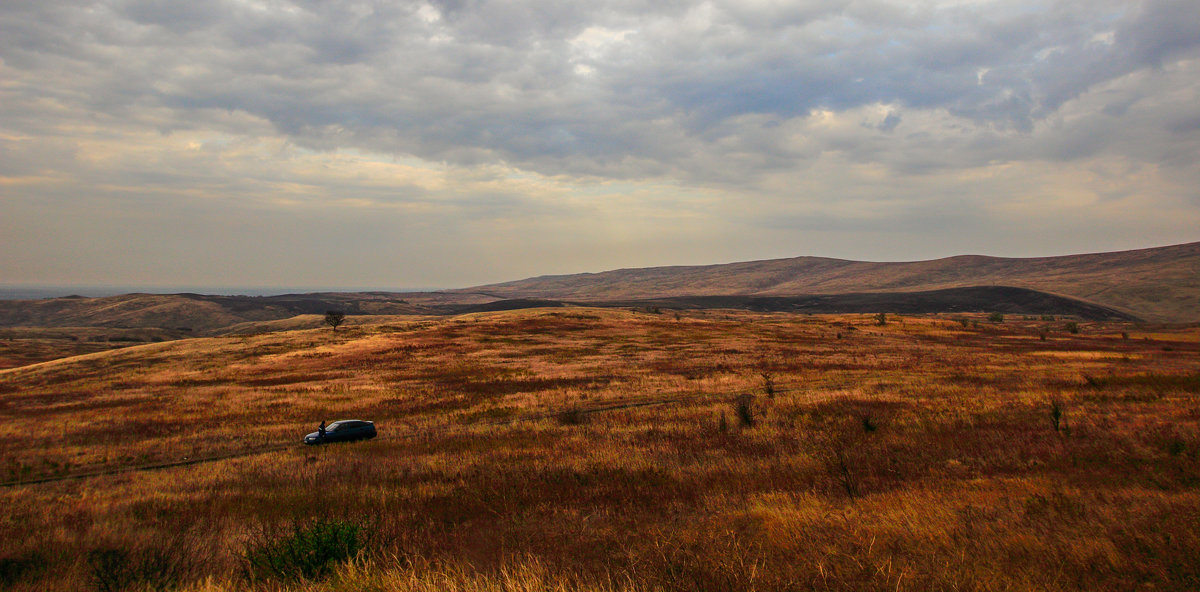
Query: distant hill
x=1157, y=284
x=1161, y=284
x=204, y=314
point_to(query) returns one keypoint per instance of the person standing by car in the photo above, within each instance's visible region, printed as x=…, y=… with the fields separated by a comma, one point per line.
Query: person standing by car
x=321, y=429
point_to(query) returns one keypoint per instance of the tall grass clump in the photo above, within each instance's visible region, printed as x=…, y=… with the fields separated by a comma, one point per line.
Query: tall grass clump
x=16, y=568
x=769, y=385
x=574, y=416
x=1058, y=415
x=745, y=413
x=307, y=550
x=114, y=569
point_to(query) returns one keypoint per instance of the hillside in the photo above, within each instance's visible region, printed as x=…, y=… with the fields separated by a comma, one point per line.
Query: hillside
x=1159, y=284
x=199, y=314
x=602, y=450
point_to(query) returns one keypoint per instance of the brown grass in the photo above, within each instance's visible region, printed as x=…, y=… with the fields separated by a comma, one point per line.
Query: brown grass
x=920, y=455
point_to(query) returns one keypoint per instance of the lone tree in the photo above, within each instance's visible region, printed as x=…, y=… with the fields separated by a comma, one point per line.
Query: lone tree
x=334, y=318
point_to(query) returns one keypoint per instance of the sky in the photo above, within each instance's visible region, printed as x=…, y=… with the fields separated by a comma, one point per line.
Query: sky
x=453, y=143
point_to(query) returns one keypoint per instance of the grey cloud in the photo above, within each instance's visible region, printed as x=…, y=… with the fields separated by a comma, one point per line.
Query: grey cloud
x=665, y=92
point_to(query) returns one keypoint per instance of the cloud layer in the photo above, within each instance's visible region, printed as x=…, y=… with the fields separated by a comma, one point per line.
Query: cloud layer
x=501, y=139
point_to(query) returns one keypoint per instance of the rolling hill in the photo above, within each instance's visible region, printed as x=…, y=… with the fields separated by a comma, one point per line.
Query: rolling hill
x=1157, y=284
x=203, y=314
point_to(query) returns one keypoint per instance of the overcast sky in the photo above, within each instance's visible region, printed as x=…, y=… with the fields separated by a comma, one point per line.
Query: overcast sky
x=458, y=142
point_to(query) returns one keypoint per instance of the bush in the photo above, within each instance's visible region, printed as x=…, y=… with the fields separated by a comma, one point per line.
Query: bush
x=307, y=550
x=16, y=568
x=111, y=569
x=1072, y=327
x=996, y=317
x=574, y=416
x=745, y=413
x=1058, y=415
x=114, y=569
x=769, y=384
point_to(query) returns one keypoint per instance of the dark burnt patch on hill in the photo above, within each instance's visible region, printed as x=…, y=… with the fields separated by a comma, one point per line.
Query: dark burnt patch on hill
x=1001, y=299
x=986, y=299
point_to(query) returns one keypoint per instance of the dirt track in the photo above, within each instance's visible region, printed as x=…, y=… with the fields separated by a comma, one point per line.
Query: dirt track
x=398, y=436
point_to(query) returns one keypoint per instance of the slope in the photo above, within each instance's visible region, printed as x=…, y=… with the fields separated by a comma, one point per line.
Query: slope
x=1160, y=284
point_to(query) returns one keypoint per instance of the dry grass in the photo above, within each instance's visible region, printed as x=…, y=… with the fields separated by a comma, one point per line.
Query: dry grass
x=920, y=455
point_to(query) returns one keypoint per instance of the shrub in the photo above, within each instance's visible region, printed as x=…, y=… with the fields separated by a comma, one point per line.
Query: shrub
x=113, y=569
x=1058, y=415
x=306, y=550
x=769, y=384
x=996, y=317
x=16, y=568
x=869, y=424
x=881, y=319
x=572, y=417
x=745, y=413
x=1072, y=327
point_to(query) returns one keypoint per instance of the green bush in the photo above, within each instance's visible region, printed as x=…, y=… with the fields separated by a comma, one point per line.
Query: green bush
x=307, y=550
x=996, y=317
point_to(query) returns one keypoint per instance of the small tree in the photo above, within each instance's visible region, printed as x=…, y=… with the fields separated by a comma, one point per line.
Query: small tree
x=334, y=318
x=881, y=319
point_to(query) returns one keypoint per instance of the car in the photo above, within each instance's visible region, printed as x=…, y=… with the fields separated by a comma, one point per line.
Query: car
x=343, y=430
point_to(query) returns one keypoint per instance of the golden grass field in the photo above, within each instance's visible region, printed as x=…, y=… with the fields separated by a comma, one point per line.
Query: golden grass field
x=788, y=452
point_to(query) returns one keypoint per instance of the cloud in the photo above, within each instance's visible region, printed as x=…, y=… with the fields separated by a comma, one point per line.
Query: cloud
x=691, y=106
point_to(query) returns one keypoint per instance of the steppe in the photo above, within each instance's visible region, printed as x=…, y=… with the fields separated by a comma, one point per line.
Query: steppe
x=580, y=448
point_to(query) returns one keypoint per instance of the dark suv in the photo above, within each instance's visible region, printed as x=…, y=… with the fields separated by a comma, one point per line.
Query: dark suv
x=345, y=430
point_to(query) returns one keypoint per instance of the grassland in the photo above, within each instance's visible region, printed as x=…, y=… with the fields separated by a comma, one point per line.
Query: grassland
x=1158, y=284
x=22, y=346
x=783, y=452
